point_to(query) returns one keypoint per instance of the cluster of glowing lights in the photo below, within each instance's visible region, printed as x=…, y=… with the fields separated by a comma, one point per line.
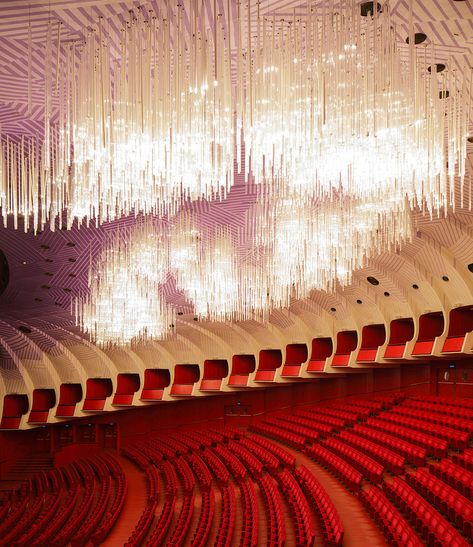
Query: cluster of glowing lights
x=341, y=130
x=124, y=304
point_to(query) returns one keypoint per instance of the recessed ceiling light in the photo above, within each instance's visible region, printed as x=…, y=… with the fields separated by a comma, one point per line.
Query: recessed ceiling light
x=386, y=293
x=445, y=278
x=415, y=286
x=419, y=37
x=372, y=280
x=439, y=67
x=179, y=313
x=72, y=259
x=333, y=309
x=359, y=301
x=24, y=329
x=44, y=246
x=367, y=8
x=470, y=139
x=445, y=94
x=470, y=267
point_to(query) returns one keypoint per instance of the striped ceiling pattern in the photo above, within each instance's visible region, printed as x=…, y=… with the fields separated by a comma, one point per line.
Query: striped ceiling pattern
x=447, y=23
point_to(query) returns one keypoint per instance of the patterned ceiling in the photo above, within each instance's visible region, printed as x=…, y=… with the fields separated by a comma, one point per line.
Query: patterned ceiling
x=47, y=269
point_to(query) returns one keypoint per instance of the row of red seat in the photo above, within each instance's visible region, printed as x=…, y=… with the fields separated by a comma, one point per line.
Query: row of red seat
x=347, y=416
x=279, y=434
x=371, y=404
x=395, y=529
x=160, y=531
x=366, y=465
x=434, y=446
x=181, y=529
x=197, y=437
x=444, y=497
x=146, y=518
x=465, y=459
x=247, y=458
x=320, y=418
x=249, y=527
x=346, y=472
x=204, y=525
x=433, y=527
x=454, y=438
x=331, y=524
x=218, y=468
x=456, y=476
x=88, y=479
x=447, y=401
x=186, y=474
x=236, y=467
x=302, y=521
x=438, y=407
x=227, y=516
x=276, y=526
x=97, y=512
x=282, y=455
x=390, y=459
x=191, y=444
x=359, y=412
x=435, y=418
x=322, y=429
x=268, y=459
x=308, y=433
x=414, y=454
x=201, y=471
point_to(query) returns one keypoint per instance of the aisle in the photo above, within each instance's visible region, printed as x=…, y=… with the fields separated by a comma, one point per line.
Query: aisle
x=135, y=502
x=360, y=530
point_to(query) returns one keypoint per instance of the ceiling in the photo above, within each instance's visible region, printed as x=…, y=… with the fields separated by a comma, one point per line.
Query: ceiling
x=46, y=270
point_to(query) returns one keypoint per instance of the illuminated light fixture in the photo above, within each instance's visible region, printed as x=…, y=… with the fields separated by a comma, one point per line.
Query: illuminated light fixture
x=337, y=111
x=123, y=304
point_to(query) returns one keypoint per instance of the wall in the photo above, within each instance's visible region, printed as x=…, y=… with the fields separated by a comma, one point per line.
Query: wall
x=240, y=407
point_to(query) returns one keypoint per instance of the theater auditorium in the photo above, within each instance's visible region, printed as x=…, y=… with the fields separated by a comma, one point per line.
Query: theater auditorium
x=236, y=273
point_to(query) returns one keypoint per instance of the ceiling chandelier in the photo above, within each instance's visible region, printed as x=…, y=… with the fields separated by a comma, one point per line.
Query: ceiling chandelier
x=342, y=130
x=124, y=304
x=338, y=109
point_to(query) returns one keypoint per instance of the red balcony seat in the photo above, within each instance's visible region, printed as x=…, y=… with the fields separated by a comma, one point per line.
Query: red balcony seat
x=459, y=325
x=210, y=385
x=238, y=380
x=291, y=370
x=401, y=332
x=431, y=325
x=265, y=375
x=182, y=390
x=152, y=394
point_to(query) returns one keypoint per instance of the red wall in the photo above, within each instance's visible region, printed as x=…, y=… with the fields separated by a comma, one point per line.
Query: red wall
x=416, y=377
